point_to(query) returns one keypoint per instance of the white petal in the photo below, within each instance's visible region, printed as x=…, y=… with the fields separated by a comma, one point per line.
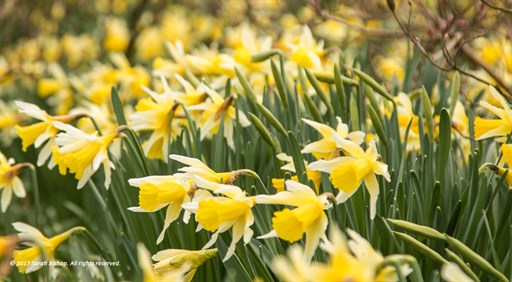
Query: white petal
x=6, y=197
x=372, y=185
x=173, y=212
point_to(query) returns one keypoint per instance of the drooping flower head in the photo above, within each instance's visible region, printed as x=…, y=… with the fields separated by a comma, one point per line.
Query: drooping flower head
x=348, y=173
x=487, y=128
x=278, y=183
x=83, y=153
x=173, y=259
x=9, y=181
x=40, y=132
x=307, y=218
x=157, y=192
x=220, y=213
x=326, y=147
x=26, y=259
x=215, y=110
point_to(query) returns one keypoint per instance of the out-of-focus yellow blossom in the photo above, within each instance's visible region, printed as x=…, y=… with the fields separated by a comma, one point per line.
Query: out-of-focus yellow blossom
x=390, y=68
x=342, y=265
x=278, y=183
x=9, y=117
x=40, y=132
x=487, y=128
x=294, y=267
x=29, y=260
x=102, y=116
x=175, y=25
x=58, y=87
x=307, y=52
x=348, y=173
x=117, y=35
x=211, y=62
x=326, y=147
x=215, y=110
x=9, y=180
x=155, y=114
x=149, y=44
x=365, y=254
x=157, y=192
x=451, y=272
x=7, y=244
x=245, y=44
x=196, y=167
x=219, y=214
x=163, y=67
x=131, y=78
x=79, y=49
x=192, y=96
x=308, y=217
x=405, y=115
x=173, y=259
x=83, y=153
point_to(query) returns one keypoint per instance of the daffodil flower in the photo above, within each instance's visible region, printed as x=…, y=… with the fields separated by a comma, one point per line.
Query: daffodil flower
x=278, y=183
x=306, y=52
x=27, y=259
x=212, y=111
x=83, y=153
x=487, y=128
x=293, y=266
x=157, y=192
x=348, y=173
x=342, y=264
x=9, y=181
x=192, y=96
x=501, y=171
x=196, y=167
x=219, y=214
x=150, y=275
x=173, y=259
x=326, y=148
x=41, y=132
x=308, y=217
x=154, y=114
x=365, y=253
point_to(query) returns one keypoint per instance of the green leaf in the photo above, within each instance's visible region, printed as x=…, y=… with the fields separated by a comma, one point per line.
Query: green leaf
x=118, y=107
x=445, y=131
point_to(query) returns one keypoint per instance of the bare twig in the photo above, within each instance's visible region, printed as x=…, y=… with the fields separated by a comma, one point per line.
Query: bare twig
x=489, y=4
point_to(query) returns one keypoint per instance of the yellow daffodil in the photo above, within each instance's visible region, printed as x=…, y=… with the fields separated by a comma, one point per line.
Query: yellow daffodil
x=189, y=261
x=365, y=254
x=192, y=96
x=212, y=112
x=221, y=213
x=117, y=35
x=9, y=180
x=157, y=192
x=342, y=265
x=41, y=132
x=154, y=114
x=9, y=117
x=308, y=217
x=27, y=259
x=326, y=147
x=487, y=128
x=162, y=67
x=211, y=62
x=307, y=51
x=196, y=167
x=348, y=173
x=406, y=115
x=278, y=183
x=83, y=153
x=501, y=171
x=293, y=267
x=451, y=272
x=150, y=275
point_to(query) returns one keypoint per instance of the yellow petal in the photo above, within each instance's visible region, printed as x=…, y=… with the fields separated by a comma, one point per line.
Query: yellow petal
x=29, y=134
x=213, y=212
x=151, y=195
x=291, y=224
